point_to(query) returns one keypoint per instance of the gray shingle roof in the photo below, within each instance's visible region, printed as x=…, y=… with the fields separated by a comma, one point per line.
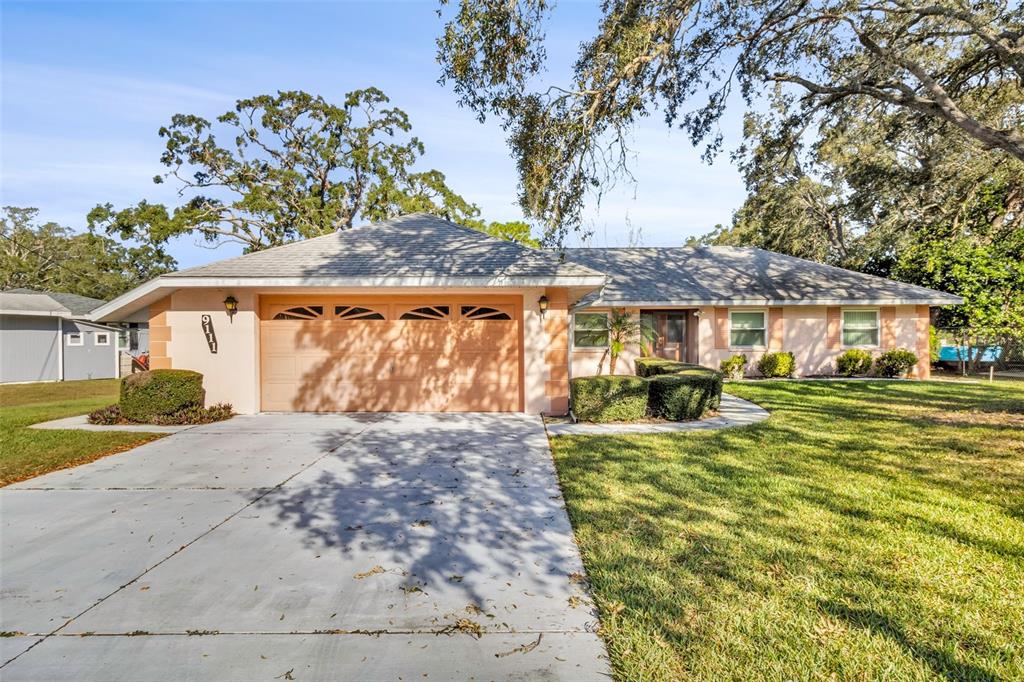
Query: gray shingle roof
x=30, y=299
x=417, y=245
x=740, y=275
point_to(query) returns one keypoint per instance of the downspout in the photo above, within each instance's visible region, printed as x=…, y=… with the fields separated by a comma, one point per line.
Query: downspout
x=60, y=349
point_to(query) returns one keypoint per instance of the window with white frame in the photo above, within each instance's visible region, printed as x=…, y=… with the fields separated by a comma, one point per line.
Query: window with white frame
x=590, y=330
x=74, y=338
x=860, y=328
x=747, y=329
x=102, y=339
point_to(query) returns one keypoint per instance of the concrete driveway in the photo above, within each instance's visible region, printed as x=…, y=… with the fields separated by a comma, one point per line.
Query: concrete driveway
x=305, y=547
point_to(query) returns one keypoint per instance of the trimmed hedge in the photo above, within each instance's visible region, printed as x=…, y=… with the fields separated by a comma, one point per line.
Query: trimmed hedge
x=678, y=397
x=853, y=362
x=650, y=367
x=664, y=389
x=608, y=398
x=895, y=363
x=777, y=364
x=160, y=392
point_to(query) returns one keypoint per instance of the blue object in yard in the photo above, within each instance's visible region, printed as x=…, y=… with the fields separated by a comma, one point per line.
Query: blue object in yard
x=958, y=353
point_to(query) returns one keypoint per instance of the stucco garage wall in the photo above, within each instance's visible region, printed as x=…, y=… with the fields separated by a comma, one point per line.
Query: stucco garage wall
x=231, y=374
x=536, y=371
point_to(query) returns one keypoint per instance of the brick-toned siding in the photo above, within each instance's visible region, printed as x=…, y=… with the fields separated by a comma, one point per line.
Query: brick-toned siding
x=556, y=327
x=834, y=328
x=159, y=334
x=887, y=320
x=721, y=327
x=923, y=369
x=776, y=330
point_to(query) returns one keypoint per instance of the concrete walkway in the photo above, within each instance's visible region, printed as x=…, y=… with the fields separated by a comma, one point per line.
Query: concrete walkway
x=732, y=412
x=305, y=547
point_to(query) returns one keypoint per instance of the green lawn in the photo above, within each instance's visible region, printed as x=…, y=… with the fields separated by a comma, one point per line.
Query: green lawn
x=867, y=530
x=31, y=452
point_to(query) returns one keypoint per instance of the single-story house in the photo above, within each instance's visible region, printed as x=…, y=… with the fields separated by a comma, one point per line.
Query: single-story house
x=48, y=336
x=420, y=314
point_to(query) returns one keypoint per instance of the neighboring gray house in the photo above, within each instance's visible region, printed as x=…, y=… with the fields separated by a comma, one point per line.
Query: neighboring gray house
x=45, y=336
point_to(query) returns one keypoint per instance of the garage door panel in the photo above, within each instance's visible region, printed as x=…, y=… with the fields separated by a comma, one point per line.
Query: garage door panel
x=337, y=364
x=479, y=367
x=279, y=367
x=486, y=335
x=483, y=398
x=420, y=335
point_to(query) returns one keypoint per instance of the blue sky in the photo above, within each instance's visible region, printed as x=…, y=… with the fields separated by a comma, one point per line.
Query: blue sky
x=85, y=86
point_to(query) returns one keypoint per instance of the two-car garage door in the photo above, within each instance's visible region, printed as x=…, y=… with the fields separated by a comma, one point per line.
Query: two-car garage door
x=373, y=354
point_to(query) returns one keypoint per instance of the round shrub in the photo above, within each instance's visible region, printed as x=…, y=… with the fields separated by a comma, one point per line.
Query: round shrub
x=734, y=367
x=608, y=398
x=895, y=363
x=679, y=397
x=853, y=362
x=160, y=392
x=776, y=365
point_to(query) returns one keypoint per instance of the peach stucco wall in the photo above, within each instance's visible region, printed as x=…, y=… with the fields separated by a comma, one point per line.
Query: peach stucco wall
x=805, y=333
x=232, y=374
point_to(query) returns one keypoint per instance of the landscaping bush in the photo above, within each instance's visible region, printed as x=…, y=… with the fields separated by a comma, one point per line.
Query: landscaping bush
x=895, y=363
x=679, y=397
x=146, y=395
x=111, y=414
x=777, y=365
x=197, y=415
x=735, y=366
x=608, y=398
x=853, y=362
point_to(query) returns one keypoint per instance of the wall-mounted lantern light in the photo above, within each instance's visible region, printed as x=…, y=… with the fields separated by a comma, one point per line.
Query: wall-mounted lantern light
x=231, y=306
x=542, y=304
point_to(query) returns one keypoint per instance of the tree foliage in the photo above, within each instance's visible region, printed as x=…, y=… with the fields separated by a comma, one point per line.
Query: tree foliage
x=948, y=62
x=50, y=257
x=897, y=197
x=288, y=166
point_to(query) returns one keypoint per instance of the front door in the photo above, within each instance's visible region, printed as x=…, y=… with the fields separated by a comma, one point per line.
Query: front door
x=675, y=336
x=671, y=341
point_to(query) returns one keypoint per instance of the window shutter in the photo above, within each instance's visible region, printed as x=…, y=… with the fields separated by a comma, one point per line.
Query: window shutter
x=887, y=321
x=834, y=333
x=775, y=329
x=721, y=327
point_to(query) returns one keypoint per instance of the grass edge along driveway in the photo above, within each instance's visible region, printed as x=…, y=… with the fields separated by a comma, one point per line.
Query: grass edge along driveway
x=27, y=453
x=867, y=530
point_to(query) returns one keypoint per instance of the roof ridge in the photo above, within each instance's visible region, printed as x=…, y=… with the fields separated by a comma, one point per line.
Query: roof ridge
x=839, y=267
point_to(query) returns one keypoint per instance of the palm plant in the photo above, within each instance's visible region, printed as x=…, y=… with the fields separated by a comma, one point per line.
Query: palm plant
x=623, y=329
